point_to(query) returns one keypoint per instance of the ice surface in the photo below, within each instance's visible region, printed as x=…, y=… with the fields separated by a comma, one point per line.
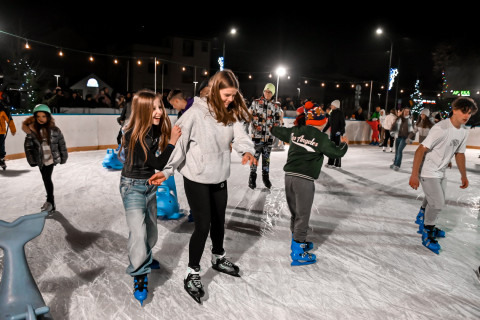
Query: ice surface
x=371, y=264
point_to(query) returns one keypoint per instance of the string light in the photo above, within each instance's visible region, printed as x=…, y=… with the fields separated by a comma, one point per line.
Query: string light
x=60, y=53
x=139, y=62
x=91, y=58
x=27, y=46
x=115, y=61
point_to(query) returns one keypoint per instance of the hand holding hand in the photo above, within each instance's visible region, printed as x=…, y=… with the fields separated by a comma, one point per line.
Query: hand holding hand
x=157, y=179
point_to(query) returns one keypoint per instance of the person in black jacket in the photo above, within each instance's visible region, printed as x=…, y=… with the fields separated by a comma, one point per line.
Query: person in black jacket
x=44, y=147
x=336, y=123
x=148, y=131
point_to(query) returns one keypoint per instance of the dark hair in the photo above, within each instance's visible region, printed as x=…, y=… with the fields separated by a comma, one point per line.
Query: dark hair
x=46, y=125
x=465, y=104
x=176, y=93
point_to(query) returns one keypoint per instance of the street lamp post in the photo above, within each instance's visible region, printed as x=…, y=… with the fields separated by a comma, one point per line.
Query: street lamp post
x=233, y=31
x=280, y=72
x=379, y=32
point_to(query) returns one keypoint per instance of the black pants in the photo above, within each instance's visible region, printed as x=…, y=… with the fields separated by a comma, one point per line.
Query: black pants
x=335, y=161
x=208, y=203
x=388, y=136
x=46, y=172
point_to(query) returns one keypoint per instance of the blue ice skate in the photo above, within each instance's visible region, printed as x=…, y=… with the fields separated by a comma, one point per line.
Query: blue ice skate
x=420, y=216
x=429, y=240
x=299, y=256
x=19, y=294
x=140, y=290
x=111, y=161
x=307, y=245
x=438, y=233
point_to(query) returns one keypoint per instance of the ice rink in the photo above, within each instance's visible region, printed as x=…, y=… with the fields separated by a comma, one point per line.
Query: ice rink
x=370, y=260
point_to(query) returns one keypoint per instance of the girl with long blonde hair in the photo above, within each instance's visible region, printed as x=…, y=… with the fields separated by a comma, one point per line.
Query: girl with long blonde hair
x=202, y=156
x=148, y=133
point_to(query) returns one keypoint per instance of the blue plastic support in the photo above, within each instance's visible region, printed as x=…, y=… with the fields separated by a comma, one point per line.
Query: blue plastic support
x=19, y=294
x=111, y=161
x=167, y=201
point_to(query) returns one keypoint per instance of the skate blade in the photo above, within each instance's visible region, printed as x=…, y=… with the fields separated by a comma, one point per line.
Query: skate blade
x=234, y=274
x=194, y=297
x=301, y=263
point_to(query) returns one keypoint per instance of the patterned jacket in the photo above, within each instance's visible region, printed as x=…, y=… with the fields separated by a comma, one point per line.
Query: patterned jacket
x=266, y=114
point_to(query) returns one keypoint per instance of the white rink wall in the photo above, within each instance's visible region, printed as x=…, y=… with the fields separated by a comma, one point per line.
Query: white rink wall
x=92, y=132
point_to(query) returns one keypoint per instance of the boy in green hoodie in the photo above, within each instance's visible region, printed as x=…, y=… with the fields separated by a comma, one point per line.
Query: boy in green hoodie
x=308, y=145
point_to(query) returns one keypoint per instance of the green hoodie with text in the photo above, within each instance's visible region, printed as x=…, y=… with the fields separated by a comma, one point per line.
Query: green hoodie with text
x=308, y=145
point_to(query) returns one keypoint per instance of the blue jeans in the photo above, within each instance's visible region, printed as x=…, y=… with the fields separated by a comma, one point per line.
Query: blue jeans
x=140, y=202
x=400, y=144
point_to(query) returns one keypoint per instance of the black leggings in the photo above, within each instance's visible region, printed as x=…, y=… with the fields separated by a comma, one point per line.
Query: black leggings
x=387, y=137
x=46, y=172
x=208, y=203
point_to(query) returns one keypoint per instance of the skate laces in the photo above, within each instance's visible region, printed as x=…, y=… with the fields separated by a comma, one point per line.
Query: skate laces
x=195, y=280
x=140, y=283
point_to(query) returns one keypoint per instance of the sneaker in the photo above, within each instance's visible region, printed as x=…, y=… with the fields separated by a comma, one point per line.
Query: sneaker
x=392, y=166
x=396, y=168
x=328, y=166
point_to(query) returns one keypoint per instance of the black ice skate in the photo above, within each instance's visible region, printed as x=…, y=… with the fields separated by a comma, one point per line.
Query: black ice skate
x=266, y=181
x=221, y=264
x=193, y=284
x=252, y=180
x=2, y=164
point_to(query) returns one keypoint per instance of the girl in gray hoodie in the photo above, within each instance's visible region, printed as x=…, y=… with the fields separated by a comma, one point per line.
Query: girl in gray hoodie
x=202, y=156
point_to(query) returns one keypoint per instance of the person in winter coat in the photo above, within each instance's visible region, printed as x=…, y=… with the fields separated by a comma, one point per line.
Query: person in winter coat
x=202, y=156
x=423, y=125
x=401, y=129
x=387, y=126
x=266, y=113
x=336, y=124
x=6, y=121
x=308, y=145
x=45, y=147
x=148, y=131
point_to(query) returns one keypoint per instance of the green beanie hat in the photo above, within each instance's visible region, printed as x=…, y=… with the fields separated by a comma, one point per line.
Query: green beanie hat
x=270, y=87
x=42, y=107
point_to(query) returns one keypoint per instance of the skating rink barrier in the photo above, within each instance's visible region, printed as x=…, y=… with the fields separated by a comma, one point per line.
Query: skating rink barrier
x=84, y=132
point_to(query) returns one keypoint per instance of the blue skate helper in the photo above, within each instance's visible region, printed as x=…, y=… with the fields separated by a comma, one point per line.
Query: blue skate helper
x=111, y=161
x=19, y=294
x=167, y=203
x=299, y=256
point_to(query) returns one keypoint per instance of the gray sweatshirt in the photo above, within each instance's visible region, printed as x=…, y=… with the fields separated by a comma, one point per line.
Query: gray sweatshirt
x=202, y=153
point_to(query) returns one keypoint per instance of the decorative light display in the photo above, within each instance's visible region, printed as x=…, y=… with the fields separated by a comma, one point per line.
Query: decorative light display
x=221, y=62
x=393, y=74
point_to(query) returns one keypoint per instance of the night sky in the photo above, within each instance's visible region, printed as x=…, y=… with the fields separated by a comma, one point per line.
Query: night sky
x=317, y=43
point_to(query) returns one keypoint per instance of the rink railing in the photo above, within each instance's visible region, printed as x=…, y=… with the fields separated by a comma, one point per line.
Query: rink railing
x=85, y=132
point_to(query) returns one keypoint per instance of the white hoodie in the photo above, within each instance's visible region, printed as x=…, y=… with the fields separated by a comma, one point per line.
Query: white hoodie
x=202, y=153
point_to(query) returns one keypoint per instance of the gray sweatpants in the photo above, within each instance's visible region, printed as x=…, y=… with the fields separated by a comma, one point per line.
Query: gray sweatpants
x=299, y=193
x=434, y=201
